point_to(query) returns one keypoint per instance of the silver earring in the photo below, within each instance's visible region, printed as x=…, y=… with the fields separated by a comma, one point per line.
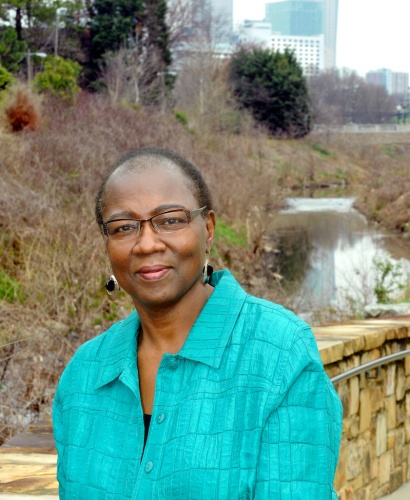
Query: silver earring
x=112, y=288
x=207, y=271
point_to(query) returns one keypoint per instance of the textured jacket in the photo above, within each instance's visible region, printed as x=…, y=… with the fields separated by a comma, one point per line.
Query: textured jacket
x=244, y=410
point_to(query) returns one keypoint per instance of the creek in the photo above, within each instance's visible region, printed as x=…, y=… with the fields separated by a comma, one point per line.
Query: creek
x=335, y=258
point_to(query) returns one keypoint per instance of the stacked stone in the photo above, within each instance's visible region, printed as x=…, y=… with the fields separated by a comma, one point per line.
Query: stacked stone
x=375, y=451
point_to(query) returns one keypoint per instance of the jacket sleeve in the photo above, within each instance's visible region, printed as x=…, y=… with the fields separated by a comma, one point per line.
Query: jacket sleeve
x=59, y=442
x=301, y=438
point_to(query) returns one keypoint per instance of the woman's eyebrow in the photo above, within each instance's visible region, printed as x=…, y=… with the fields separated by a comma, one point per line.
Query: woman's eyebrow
x=121, y=215
x=169, y=206
x=156, y=210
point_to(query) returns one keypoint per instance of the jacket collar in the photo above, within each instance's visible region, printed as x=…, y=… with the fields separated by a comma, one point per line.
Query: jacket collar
x=120, y=351
x=212, y=329
x=207, y=339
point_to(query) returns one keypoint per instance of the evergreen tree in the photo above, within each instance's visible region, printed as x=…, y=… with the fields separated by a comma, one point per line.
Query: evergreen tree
x=272, y=86
x=114, y=24
x=28, y=16
x=140, y=27
x=12, y=50
x=157, y=29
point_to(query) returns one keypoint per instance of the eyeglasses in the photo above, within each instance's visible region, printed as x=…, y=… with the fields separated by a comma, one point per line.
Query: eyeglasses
x=166, y=222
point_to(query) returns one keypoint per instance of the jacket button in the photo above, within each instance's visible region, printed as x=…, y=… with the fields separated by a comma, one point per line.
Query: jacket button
x=160, y=418
x=148, y=467
x=173, y=364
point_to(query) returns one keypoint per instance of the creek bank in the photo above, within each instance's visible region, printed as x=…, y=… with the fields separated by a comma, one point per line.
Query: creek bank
x=386, y=310
x=331, y=260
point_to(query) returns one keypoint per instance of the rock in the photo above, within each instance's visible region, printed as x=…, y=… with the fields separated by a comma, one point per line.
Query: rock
x=382, y=310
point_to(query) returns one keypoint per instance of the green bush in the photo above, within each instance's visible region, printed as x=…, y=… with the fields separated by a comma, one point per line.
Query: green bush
x=59, y=77
x=271, y=85
x=181, y=117
x=388, y=277
x=321, y=150
x=10, y=289
x=230, y=236
x=6, y=78
x=12, y=50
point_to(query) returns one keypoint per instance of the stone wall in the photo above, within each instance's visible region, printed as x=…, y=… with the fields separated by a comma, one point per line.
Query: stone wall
x=375, y=450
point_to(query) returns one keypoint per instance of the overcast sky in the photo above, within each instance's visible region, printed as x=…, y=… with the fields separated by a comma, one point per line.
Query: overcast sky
x=372, y=34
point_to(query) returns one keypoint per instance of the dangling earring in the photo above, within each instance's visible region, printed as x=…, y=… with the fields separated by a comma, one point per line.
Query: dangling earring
x=207, y=272
x=112, y=288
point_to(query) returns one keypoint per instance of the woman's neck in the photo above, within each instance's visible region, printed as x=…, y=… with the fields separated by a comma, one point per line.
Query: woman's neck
x=165, y=329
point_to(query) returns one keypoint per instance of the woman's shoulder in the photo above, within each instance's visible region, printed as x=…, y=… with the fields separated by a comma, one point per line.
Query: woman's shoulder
x=269, y=315
x=82, y=373
x=278, y=331
x=271, y=325
x=95, y=349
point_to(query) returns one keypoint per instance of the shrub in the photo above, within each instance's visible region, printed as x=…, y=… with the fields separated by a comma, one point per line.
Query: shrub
x=388, y=277
x=181, y=117
x=22, y=112
x=271, y=85
x=321, y=149
x=6, y=78
x=10, y=289
x=59, y=77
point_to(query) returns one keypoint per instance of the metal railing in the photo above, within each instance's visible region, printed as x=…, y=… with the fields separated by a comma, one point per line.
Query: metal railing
x=366, y=367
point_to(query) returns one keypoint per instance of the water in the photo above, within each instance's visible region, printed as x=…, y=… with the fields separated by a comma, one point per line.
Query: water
x=330, y=248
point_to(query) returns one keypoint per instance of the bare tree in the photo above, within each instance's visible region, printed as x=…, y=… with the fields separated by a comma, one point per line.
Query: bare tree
x=345, y=97
x=126, y=74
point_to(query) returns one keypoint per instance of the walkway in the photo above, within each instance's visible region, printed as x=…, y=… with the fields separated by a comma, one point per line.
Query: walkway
x=28, y=461
x=403, y=493
x=27, y=465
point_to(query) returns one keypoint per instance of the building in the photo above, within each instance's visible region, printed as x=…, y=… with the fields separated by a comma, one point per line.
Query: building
x=394, y=83
x=309, y=51
x=255, y=33
x=400, y=84
x=222, y=20
x=306, y=18
x=330, y=32
x=295, y=17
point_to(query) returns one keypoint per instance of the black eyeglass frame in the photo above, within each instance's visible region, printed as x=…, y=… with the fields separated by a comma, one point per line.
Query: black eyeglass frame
x=191, y=214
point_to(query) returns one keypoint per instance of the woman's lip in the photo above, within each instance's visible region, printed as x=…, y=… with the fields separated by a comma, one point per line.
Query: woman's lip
x=152, y=272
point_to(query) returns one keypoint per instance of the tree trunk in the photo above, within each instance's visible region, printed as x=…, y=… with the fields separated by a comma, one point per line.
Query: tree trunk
x=19, y=29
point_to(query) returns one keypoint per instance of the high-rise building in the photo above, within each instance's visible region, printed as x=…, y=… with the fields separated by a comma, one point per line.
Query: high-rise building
x=308, y=50
x=295, y=17
x=400, y=84
x=222, y=19
x=381, y=78
x=394, y=83
x=255, y=33
x=306, y=18
x=331, y=8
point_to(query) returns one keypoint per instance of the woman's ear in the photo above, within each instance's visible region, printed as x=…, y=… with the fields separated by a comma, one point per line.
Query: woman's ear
x=210, y=228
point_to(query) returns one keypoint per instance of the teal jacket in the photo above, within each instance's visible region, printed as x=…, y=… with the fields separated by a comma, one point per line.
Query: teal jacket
x=244, y=410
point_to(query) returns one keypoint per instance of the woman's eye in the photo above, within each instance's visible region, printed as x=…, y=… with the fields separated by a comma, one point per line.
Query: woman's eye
x=171, y=221
x=124, y=228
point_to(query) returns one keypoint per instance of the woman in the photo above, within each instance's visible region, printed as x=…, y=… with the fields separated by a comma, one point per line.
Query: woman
x=204, y=391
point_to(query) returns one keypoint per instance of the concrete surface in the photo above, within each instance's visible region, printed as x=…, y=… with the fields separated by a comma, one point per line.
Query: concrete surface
x=403, y=493
x=28, y=497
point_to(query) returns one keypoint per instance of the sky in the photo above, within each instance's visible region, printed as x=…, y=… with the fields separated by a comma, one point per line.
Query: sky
x=372, y=34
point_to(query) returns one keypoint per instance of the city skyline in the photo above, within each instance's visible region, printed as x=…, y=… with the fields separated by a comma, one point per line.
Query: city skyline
x=369, y=37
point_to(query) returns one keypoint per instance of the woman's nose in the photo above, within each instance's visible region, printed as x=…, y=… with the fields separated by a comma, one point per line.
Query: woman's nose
x=148, y=240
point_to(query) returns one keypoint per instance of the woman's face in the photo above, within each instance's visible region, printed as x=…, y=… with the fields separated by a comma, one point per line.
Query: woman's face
x=156, y=269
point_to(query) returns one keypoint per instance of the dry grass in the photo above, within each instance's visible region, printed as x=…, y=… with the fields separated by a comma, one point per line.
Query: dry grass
x=52, y=261
x=382, y=182
x=51, y=254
